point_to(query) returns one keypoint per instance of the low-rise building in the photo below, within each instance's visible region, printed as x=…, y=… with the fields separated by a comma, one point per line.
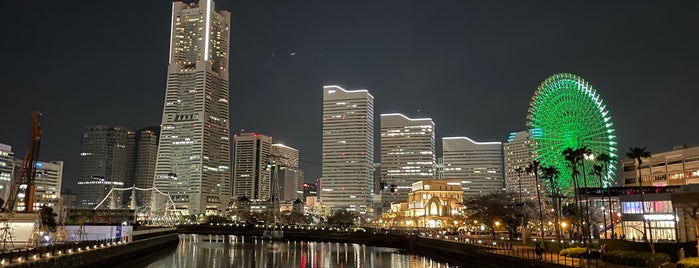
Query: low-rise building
x=430, y=204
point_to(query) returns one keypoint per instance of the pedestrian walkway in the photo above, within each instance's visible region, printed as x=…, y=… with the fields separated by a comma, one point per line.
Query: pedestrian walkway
x=528, y=252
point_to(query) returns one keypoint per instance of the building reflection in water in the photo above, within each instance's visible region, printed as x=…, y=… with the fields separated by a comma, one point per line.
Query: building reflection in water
x=237, y=251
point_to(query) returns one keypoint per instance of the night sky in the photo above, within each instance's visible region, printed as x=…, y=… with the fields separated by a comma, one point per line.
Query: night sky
x=471, y=67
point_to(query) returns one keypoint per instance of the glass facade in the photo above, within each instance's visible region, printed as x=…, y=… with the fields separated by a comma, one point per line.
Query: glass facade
x=659, y=214
x=664, y=206
x=661, y=230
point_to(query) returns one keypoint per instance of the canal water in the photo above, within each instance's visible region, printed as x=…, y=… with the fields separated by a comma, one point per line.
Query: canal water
x=237, y=251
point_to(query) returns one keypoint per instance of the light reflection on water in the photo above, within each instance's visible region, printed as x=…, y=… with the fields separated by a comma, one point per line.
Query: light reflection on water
x=212, y=251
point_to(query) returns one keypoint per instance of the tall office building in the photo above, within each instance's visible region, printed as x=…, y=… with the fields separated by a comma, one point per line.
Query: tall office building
x=289, y=176
x=518, y=154
x=407, y=155
x=478, y=165
x=49, y=176
x=103, y=156
x=285, y=156
x=193, y=162
x=347, y=180
x=251, y=177
x=142, y=146
x=7, y=168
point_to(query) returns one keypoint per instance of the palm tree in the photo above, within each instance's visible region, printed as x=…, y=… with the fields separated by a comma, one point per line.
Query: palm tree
x=605, y=159
x=598, y=170
x=583, y=153
x=638, y=154
x=533, y=167
x=552, y=173
x=573, y=158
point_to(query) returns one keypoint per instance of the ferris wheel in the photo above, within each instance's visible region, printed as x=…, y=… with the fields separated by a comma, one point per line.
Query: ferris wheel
x=567, y=112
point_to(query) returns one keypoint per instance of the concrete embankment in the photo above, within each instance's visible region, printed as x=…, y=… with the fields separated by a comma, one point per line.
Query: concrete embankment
x=107, y=256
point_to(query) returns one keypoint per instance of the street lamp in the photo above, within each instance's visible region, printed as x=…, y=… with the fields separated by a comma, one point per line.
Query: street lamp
x=589, y=156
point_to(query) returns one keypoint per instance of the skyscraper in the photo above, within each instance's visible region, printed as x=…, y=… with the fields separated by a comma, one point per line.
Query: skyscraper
x=193, y=162
x=347, y=179
x=518, y=154
x=407, y=155
x=289, y=175
x=251, y=177
x=103, y=157
x=284, y=155
x=478, y=165
x=143, y=148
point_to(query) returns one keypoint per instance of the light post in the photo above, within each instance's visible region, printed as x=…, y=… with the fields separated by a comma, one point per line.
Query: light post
x=564, y=224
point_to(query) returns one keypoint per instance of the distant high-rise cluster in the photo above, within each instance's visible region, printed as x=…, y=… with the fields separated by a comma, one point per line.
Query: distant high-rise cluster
x=262, y=170
x=193, y=163
x=408, y=155
x=48, y=179
x=116, y=157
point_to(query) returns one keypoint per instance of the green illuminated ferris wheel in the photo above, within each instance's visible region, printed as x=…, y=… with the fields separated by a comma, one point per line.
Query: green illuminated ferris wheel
x=567, y=112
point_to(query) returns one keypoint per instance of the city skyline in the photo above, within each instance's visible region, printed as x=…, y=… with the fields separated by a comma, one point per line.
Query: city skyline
x=449, y=61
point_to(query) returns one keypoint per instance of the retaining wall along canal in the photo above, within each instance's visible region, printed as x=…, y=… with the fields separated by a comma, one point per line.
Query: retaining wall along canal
x=102, y=256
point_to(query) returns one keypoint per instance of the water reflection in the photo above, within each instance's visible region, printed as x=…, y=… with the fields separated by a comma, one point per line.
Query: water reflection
x=236, y=251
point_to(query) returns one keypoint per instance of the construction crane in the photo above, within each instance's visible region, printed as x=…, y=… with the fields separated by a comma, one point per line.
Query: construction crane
x=27, y=172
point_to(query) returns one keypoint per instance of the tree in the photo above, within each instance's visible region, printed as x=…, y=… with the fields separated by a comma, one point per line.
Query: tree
x=211, y=219
x=583, y=153
x=533, y=167
x=551, y=173
x=605, y=159
x=341, y=219
x=638, y=154
x=294, y=218
x=598, y=170
x=48, y=219
x=496, y=207
x=575, y=157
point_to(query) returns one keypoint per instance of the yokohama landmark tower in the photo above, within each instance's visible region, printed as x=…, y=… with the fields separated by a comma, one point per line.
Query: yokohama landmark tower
x=193, y=162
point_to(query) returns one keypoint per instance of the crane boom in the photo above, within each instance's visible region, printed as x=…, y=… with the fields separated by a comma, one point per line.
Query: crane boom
x=27, y=171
